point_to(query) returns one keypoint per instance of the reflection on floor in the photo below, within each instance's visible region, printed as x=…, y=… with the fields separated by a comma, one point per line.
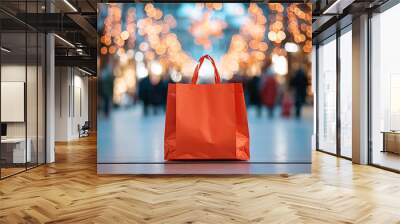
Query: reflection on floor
x=70, y=191
x=5, y=172
x=129, y=137
x=387, y=159
x=11, y=169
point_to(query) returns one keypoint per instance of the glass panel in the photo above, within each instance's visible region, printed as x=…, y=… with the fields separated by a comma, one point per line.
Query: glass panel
x=41, y=99
x=13, y=87
x=31, y=100
x=32, y=85
x=23, y=89
x=385, y=85
x=346, y=94
x=327, y=96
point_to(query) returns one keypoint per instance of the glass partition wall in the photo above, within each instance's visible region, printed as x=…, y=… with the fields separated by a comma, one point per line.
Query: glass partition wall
x=22, y=88
x=327, y=95
x=334, y=87
x=385, y=90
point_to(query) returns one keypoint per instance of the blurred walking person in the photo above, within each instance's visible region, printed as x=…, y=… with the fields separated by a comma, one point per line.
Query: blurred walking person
x=287, y=104
x=253, y=89
x=144, y=92
x=106, y=87
x=269, y=92
x=299, y=84
x=158, y=94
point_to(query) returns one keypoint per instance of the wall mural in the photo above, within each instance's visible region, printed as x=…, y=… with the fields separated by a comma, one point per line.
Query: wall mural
x=145, y=47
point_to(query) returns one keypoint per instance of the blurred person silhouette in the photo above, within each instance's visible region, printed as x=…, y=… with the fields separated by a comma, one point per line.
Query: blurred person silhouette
x=253, y=91
x=164, y=85
x=287, y=104
x=299, y=84
x=144, y=93
x=106, y=86
x=157, y=93
x=269, y=91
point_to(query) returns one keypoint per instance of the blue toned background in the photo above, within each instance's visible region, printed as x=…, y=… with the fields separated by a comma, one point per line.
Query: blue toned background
x=143, y=47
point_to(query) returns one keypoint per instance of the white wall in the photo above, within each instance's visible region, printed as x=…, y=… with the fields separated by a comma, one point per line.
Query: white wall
x=71, y=94
x=62, y=82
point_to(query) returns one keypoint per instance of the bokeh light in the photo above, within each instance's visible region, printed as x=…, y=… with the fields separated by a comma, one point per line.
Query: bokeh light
x=164, y=40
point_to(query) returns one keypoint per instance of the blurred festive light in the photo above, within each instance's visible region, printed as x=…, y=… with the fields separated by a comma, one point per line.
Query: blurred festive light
x=250, y=58
x=107, y=40
x=262, y=46
x=294, y=14
x=120, y=51
x=215, y=6
x=141, y=70
x=125, y=35
x=130, y=53
x=175, y=76
x=291, y=47
x=206, y=28
x=281, y=35
x=156, y=68
x=103, y=50
x=253, y=44
x=158, y=14
x=123, y=58
x=272, y=36
x=144, y=46
x=307, y=48
x=170, y=21
x=112, y=49
x=139, y=56
x=258, y=55
x=149, y=55
x=247, y=53
x=280, y=64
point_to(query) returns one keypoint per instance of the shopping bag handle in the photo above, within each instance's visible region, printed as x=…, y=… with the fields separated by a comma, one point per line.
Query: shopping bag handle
x=196, y=70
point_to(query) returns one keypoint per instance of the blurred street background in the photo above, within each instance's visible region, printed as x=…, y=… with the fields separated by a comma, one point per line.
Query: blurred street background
x=143, y=47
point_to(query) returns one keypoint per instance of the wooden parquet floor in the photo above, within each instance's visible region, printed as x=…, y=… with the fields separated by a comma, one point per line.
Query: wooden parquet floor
x=70, y=191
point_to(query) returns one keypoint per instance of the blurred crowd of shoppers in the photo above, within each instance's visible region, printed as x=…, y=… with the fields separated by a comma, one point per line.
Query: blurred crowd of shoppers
x=268, y=91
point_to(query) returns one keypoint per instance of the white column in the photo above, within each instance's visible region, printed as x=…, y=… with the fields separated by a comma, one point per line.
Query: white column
x=360, y=90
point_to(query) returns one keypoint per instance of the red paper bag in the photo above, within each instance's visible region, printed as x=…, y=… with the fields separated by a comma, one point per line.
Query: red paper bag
x=206, y=121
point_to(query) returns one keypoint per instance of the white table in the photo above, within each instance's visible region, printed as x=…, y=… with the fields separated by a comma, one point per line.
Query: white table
x=18, y=144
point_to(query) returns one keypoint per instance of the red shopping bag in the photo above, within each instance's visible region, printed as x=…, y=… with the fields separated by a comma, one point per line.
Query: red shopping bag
x=206, y=121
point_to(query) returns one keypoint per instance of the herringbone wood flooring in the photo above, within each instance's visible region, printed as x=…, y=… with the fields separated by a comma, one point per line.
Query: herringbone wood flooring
x=70, y=191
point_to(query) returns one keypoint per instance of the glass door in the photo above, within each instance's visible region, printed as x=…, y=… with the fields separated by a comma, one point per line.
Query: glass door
x=385, y=90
